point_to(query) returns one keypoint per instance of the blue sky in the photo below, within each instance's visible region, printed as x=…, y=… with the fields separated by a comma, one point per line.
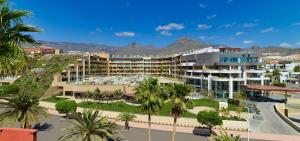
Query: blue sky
x=236, y=23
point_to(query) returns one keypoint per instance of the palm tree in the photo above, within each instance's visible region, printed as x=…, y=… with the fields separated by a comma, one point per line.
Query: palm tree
x=225, y=137
x=177, y=97
x=90, y=127
x=22, y=108
x=126, y=117
x=12, y=35
x=276, y=74
x=97, y=93
x=148, y=95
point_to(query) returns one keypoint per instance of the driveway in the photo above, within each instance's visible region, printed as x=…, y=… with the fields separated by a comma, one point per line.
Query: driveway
x=271, y=122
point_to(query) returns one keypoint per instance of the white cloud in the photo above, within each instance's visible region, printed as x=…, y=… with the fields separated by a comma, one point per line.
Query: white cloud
x=267, y=30
x=285, y=44
x=170, y=26
x=98, y=29
x=202, y=37
x=166, y=33
x=298, y=43
x=248, y=42
x=125, y=34
x=207, y=37
x=228, y=25
x=211, y=16
x=249, y=25
x=204, y=26
x=239, y=33
x=202, y=5
x=296, y=24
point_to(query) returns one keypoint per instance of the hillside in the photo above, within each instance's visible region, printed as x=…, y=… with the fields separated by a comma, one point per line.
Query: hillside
x=179, y=46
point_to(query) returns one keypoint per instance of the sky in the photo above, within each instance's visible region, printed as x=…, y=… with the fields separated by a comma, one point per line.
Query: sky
x=236, y=23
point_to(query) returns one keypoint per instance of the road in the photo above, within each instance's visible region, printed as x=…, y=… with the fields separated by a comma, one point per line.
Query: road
x=271, y=122
x=134, y=134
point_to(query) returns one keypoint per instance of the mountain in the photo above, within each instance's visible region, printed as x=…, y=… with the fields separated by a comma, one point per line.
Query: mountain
x=179, y=46
x=274, y=50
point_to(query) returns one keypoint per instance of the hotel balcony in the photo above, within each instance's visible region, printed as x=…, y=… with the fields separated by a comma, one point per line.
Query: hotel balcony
x=254, y=71
x=222, y=71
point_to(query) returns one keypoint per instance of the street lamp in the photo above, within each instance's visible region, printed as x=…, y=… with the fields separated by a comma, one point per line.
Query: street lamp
x=248, y=122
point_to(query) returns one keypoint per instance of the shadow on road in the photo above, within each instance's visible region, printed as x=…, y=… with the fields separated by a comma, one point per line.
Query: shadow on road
x=42, y=127
x=201, y=132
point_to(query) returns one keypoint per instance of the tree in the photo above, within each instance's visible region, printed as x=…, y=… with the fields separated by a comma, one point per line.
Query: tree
x=22, y=108
x=225, y=137
x=240, y=109
x=98, y=95
x=225, y=112
x=177, y=97
x=66, y=107
x=297, y=68
x=210, y=119
x=240, y=96
x=276, y=74
x=90, y=126
x=209, y=93
x=148, y=95
x=126, y=117
x=12, y=35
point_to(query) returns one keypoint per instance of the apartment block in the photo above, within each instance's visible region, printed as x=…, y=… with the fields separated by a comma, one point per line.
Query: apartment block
x=221, y=70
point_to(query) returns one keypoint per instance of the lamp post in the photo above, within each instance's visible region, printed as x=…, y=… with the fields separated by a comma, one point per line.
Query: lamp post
x=248, y=122
x=248, y=134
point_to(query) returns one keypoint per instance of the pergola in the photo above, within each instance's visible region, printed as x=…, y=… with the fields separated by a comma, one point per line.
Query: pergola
x=267, y=88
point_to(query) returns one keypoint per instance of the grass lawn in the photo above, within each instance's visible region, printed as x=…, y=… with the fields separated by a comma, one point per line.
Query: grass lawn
x=54, y=99
x=212, y=103
x=123, y=107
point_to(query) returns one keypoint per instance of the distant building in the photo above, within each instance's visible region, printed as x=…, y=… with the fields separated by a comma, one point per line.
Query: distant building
x=222, y=71
x=42, y=50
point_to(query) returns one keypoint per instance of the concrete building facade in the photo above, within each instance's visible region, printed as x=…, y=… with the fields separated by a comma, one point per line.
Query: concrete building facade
x=221, y=71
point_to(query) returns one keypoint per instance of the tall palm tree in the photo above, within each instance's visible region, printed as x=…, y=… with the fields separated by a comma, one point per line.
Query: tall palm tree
x=22, y=108
x=148, y=95
x=126, y=117
x=225, y=137
x=177, y=96
x=90, y=126
x=12, y=35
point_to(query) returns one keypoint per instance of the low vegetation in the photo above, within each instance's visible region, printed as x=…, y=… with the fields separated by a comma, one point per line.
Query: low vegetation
x=209, y=119
x=279, y=84
x=66, y=107
x=164, y=111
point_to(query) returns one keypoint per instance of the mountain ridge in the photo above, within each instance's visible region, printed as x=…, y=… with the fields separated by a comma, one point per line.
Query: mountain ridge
x=179, y=46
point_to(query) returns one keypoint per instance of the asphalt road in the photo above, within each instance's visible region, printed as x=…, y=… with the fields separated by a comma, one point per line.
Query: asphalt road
x=134, y=134
x=271, y=122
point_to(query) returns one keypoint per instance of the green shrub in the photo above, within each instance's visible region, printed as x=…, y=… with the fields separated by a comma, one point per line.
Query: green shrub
x=8, y=89
x=66, y=107
x=189, y=105
x=209, y=118
x=233, y=118
x=233, y=101
x=278, y=84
